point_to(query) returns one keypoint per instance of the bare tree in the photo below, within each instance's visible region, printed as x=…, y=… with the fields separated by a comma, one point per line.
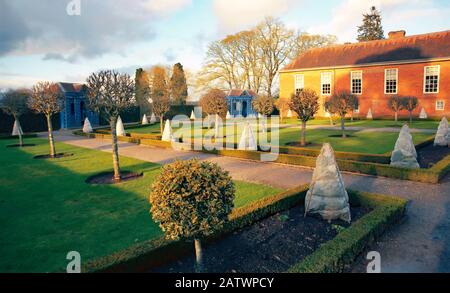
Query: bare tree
x=306, y=104
x=276, y=42
x=263, y=105
x=410, y=104
x=161, y=105
x=304, y=41
x=282, y=104
x=14, y=103
x=214, y=102
x=396, y=104
x=110, y=93
x=341, y=103
x=46, y=99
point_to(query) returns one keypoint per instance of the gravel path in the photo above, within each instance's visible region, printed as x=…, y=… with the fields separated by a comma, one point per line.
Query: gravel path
x=420, y=244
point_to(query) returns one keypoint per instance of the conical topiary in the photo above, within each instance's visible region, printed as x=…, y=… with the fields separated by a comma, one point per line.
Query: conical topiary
x=442, y=136
x=369, y=114
x=193, y=115
x=404, y=154
x=87, y=127
x=145, y=120
x=248, y=140
x=17, y=129
x=327, y=196
x=167, y=134
x=153, y=118
x=120, y=130
x=423, y=114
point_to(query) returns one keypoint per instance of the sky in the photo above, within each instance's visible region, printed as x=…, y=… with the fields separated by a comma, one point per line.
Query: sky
x=40, y=40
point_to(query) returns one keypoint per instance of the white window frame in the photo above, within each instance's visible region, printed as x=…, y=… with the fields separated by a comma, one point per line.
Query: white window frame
x=299, y=82
x=385, y=80
x=351, y=82
x=322, y=82
x=443, y=105
x=425, y=79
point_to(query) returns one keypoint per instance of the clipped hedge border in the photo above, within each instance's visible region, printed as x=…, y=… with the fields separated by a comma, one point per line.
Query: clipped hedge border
x=335, y=255
x=331, y=257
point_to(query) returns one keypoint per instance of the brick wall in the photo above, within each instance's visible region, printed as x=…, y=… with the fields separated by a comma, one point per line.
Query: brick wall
x=410, y=83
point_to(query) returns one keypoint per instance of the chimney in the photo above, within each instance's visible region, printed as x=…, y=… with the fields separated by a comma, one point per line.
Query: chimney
x=397, y=35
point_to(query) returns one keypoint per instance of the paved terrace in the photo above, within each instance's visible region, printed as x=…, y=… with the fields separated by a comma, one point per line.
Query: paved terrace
x=420, y=244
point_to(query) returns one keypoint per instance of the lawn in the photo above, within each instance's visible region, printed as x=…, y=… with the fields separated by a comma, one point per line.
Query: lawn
x=47, y=210
x=419, y=124
x=361, y=142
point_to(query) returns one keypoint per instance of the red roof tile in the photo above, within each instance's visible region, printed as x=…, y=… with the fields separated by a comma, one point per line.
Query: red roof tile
x=426, y=46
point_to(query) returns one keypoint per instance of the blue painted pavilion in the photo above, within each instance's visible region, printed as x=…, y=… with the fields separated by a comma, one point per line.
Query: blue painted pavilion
x=75, y=110
x=240, y=103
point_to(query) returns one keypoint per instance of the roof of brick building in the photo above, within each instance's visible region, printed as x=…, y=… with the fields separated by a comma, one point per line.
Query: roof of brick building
x=397, y=48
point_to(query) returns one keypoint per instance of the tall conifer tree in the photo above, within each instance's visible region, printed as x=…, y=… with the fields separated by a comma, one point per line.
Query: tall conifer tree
x=371, y=29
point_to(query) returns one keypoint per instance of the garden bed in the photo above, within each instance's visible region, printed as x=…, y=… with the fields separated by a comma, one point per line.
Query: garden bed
x=430, y=155
x=272, y=245
x=334, y=255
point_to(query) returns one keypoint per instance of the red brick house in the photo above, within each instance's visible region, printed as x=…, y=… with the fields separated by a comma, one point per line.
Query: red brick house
x=402, y=65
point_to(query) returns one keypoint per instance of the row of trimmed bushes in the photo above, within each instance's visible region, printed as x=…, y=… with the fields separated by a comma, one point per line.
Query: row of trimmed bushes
x=153, y=253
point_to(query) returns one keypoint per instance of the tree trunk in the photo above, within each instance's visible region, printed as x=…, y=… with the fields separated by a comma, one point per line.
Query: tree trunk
x=198, y=256
x=161, y=126
x=343, y=126
x=410, y=117
x=50, y=136
x=396, y=116
x=303, y=140
x=352, y=115
x=115, y=150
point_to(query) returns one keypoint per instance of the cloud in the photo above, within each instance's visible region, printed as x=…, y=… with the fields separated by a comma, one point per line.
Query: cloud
x=235, y=15
x=396, y=14
x=103, y=26
x=165, y=7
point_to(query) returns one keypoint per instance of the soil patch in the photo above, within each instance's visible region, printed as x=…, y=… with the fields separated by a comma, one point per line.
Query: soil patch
x=57, y=156
x=269, y=246
x=108, y=178
x=429, y=155
x=20, y=146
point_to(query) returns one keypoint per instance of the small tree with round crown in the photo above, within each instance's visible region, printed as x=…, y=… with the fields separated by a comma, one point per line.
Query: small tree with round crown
x=191, y=200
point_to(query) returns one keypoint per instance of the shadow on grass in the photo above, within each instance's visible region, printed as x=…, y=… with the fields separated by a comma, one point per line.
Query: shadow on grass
x=47, y=210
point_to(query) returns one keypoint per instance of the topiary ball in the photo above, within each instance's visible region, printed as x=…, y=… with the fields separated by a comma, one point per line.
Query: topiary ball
x=191, y=199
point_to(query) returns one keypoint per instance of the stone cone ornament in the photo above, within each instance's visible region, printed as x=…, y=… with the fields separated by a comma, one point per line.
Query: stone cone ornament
x=248, y=140
x=369, y=114
x=87, y=127
x=17, y=129
x=423, y=114
x=289, y=114
x=228, y=115
x=443, y=134
x=153, y=118
x=145, y=120
x=404, y=154
x=193, y=115
x=217, y=125
x=327, y=196
x=263, y=127
x=167, y=134
x=120, y=130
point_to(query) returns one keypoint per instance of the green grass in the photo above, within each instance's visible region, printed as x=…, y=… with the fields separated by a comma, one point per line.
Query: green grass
x=361, y=142
x=47, y=210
